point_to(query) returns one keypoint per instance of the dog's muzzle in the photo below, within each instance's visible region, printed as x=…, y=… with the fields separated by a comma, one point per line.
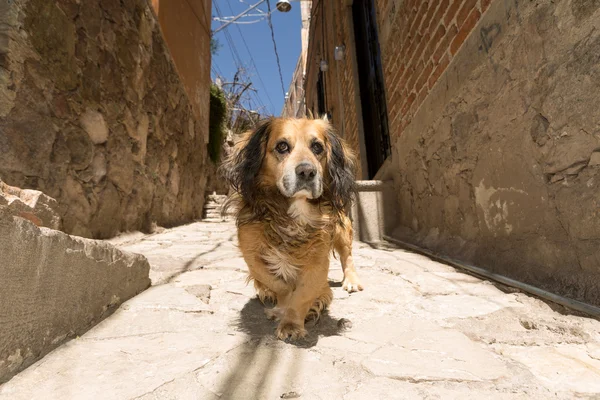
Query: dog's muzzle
x=304, y=179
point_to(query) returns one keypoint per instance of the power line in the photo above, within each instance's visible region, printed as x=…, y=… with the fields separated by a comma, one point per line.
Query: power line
x=234, y=53
x=275, y=47
x=253, y=64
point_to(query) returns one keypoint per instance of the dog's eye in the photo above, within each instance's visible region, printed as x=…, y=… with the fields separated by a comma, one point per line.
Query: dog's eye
x=317, y=148
x=282, y=147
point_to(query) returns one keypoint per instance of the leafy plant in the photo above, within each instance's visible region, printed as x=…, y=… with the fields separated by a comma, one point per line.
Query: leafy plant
x=218, y=113
x=215, y=45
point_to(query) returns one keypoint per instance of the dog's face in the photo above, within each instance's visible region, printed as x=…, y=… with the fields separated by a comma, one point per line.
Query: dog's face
x=296, y=158
x=302, y=158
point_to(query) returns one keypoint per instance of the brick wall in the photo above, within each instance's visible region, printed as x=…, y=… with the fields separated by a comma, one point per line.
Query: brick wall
x=422, y=39
x=340, y=82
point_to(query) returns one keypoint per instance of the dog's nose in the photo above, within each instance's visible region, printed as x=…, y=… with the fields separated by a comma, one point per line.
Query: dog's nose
x=306, y=171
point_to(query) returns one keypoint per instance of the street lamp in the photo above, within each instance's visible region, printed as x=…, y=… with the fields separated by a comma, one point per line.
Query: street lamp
x=284, y=5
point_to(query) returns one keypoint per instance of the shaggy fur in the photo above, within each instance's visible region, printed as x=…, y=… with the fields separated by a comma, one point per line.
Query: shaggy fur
x=293, y=182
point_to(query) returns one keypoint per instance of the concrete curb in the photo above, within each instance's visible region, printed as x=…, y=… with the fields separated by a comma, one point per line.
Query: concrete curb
x=55, y=287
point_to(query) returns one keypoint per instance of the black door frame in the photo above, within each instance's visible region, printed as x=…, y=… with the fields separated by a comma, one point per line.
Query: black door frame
x=371, y=85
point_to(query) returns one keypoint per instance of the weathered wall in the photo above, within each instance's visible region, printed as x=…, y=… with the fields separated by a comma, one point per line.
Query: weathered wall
x=93, y=113
x=493, y=112
x=186, y=28
x=500, y=165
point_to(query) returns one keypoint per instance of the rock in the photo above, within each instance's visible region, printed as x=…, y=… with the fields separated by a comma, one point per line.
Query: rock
x=594, y=159
x=200, y=291
x=99, y=167
x=56, y=287
x=33, y=205
x=94, y=124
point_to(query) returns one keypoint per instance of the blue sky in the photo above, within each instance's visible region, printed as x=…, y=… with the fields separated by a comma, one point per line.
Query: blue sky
x=258, y=40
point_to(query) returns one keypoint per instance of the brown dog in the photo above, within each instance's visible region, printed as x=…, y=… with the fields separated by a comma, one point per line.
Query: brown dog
x=294, y=181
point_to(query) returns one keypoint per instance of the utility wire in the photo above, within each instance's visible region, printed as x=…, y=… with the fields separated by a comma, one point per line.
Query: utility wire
x=254, y=65
x=234, y=53
x=275, y=47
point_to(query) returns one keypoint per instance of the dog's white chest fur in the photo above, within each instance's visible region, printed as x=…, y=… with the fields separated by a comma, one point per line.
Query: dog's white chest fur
x=279, y=265
x=302, y=212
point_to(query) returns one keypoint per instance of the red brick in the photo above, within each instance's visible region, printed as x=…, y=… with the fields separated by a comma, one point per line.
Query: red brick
x=420, y=15
x=415, y=75
x=435, y=40
x=404, y=123
x=433, y=5
x=407, y=103
x=411, y=15
x=484, y=5
x=444, y=44
x=439, y=70
x=397, y=75
x=411, y=50
x=437, y=18
x=464, y=31
x=454, y=5
x=421, y=48
x=405, y=76
x=421, y=97
x=464, y=11
x=422, y=81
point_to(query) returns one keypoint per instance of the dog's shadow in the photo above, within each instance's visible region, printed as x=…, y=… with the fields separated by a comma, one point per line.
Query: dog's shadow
x=254, y=323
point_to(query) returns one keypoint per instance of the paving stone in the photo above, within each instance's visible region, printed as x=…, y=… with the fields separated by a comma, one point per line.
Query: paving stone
x=564, y=368
x=392, y=389
x=460, y=306
x=435, y=355
x=419, y=330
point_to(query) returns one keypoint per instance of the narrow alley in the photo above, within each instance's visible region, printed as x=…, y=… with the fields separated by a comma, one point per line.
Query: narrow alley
x=420, y=329
x=467, y=130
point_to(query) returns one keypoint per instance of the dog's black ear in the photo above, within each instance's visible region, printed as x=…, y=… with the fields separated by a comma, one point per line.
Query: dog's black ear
x=242, y=168
x=341, y=165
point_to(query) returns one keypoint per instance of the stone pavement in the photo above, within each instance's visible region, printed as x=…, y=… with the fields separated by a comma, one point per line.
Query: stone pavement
x=420, y=330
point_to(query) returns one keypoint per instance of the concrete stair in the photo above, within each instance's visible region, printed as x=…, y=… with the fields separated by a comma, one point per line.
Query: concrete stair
x=212, y=208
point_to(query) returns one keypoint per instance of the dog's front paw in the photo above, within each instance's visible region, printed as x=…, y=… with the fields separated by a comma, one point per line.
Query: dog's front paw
x=290, y=330
x=351, y=283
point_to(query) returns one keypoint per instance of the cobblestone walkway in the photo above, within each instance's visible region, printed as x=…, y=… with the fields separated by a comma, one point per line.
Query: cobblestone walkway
x=420, y=330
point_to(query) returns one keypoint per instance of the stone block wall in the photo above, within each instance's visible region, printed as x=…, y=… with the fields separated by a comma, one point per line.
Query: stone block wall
x=94, y=114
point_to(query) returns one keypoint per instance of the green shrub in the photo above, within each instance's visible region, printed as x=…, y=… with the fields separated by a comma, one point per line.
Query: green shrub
x=218, y=112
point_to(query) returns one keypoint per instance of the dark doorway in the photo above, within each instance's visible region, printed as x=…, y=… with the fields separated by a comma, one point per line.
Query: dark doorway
x=372, y=94
x=321, y=95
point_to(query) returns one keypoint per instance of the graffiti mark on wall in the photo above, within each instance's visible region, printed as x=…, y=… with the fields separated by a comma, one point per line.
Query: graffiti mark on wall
x=488, y=34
